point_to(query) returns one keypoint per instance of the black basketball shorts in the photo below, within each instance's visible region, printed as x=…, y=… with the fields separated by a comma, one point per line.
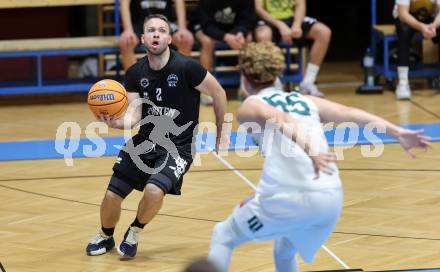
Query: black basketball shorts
x=157, y=166
x=306, y=25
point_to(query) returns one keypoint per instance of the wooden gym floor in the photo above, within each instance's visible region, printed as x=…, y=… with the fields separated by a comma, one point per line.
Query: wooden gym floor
x=49, y=211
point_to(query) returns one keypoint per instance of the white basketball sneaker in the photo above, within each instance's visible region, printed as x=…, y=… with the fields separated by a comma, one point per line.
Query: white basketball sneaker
x=403, y=92
x=310, y=88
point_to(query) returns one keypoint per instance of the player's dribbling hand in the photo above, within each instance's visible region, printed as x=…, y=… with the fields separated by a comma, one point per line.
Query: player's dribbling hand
x=322, y=162
x=106, y=119
x=410, y=139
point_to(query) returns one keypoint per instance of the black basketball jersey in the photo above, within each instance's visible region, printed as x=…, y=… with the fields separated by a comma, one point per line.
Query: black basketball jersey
x=169, y=89
x=140, y=9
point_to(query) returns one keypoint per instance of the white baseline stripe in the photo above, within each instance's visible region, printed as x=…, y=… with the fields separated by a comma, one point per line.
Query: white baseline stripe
x=335, y=257
x=227, y=164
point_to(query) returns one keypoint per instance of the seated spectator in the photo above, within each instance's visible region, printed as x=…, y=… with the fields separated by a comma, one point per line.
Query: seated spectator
x=413, y=16
x=230, y=21
x=223, y=20
x=286, y=20
x=133, y=13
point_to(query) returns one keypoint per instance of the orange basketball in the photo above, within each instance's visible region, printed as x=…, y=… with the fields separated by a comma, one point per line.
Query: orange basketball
x=107, y=97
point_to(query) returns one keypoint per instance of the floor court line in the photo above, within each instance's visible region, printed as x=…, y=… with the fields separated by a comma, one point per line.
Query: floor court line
x=203, y=219
x=98, y=204
x=247, y=181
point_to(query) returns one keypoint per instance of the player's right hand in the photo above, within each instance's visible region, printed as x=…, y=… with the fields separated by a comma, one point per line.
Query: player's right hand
x=410, y=139
x=323, y=162
x=106, y=119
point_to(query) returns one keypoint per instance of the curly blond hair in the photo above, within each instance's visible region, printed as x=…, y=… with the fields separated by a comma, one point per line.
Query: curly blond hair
x=261, y=62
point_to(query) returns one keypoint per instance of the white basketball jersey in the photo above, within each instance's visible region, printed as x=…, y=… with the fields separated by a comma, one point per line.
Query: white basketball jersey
x=287, y=167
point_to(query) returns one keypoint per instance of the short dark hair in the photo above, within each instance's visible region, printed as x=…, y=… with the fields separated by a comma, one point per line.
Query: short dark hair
x=158, y=16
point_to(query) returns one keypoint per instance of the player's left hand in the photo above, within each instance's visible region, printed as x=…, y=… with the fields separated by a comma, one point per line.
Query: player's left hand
x=322, y=162
x=410, y=139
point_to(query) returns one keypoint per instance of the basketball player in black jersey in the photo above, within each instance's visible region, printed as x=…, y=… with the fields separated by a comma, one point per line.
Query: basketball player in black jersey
x=169, y=85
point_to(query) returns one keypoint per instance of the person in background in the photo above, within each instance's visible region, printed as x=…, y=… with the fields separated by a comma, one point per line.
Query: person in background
x=133, y=13
x=286, y=20
x=230, y=21
x=413, y=16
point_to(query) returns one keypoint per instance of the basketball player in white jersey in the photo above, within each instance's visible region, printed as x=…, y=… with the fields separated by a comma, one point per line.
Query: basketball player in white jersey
x=299, y=197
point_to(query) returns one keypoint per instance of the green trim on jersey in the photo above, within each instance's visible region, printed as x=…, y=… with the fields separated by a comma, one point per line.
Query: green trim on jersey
x=280, y=9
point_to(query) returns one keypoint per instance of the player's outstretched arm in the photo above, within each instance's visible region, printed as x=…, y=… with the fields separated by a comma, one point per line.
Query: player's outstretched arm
x=253, y=110
x=334, y=112
x=211, y=87
x=131, y=117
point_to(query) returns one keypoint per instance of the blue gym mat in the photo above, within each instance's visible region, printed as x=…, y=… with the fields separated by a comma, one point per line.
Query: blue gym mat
x=88, y=147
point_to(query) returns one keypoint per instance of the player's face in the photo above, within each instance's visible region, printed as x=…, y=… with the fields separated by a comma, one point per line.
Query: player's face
x=156, y=37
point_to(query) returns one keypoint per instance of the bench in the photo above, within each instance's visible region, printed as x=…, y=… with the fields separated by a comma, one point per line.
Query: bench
x=386, y=34
x=227, y=74
x=39, y=48
x=107, y=48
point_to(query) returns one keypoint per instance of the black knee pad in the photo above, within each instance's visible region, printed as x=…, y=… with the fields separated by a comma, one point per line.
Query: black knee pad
x=118, y=186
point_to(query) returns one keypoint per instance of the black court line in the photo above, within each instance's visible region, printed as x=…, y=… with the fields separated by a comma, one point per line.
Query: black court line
x=387, y=236
x=98, y=205
x=211, y=220
x=217, y=170
x=425, y=109
x=2, y=268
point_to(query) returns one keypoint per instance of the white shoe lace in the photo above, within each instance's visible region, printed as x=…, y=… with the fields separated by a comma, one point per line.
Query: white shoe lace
x=99, y=238
x=132, y=237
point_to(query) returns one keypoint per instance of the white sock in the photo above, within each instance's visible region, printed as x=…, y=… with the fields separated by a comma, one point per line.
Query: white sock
x=311, y=73
x=402, y=72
